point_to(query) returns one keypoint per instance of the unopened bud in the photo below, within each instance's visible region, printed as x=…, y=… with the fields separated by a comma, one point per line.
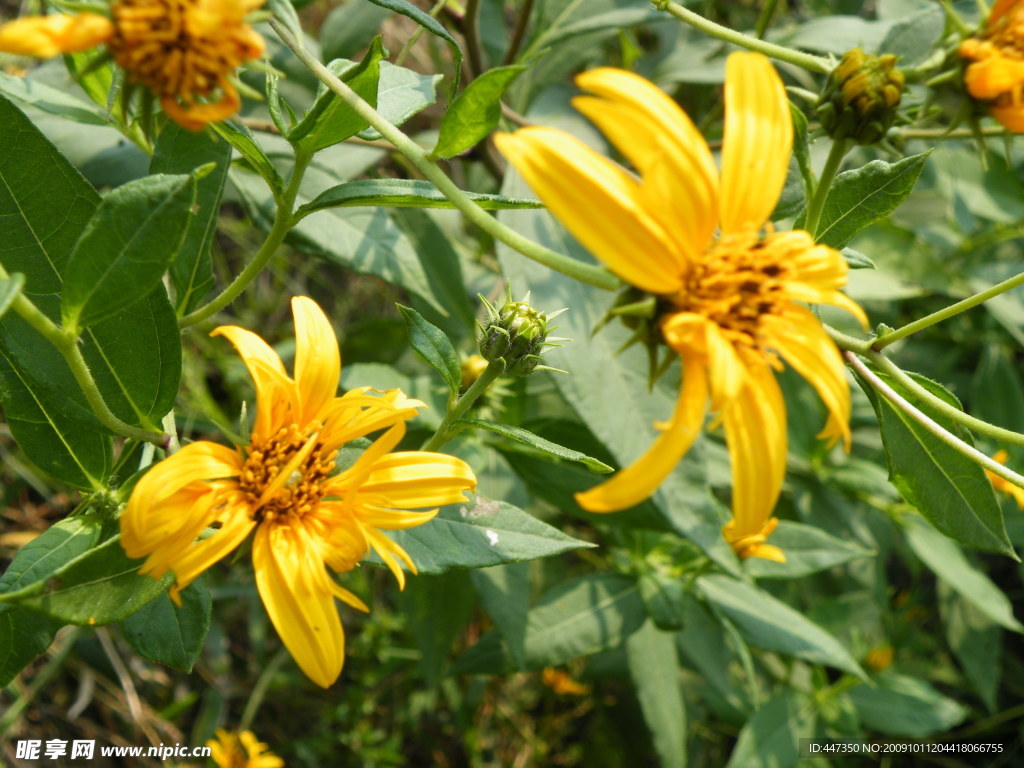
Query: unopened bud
x=860, y=97
x=516, y=334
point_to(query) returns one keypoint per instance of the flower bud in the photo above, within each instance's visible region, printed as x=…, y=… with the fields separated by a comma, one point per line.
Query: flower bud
x=860, y=97
x=515, y=334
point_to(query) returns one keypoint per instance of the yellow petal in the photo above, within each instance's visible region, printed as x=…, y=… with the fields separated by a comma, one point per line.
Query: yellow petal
x=304, y=615
x=356, y=414
x=757, y=142
x=412, y=479
x=598, y=202
x=388, y=519
x=803, y=343
x=47, y=36
x=680, y=181
x=274, y=390
x=236, y=524
x=317, y=359
x=349, y=481
x=632, y=485
x=755, y=432
x=993, y=77
x=387, y=549
x=999, y=9
x=201, y=460
x=1011, y=116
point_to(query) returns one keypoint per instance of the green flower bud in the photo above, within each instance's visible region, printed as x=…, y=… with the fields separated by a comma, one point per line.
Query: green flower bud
x=860, y=97
x=515, y=334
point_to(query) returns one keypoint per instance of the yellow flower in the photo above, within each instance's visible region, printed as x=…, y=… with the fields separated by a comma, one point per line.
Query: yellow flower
x=732, y=305
x=997, y=72
x=561, y=683
x=241, y=750
x=280, y=487
x=185, y=51
x=1005, y=486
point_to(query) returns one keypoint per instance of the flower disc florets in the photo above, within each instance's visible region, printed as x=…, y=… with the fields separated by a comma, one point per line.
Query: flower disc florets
x=285, y=474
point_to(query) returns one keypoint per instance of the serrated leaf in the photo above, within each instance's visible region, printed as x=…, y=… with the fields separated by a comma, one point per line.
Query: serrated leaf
x=861, y=197
x=475, y=112
x=947, y=561
x=808, y=550
x=125, y=249
x=241, y=138
x=403, y=193
x=479, y=534
x=576, y=618
x=771, y=738
x=432, y=344
x=179, y=150
x=168, y=635
x=330, y=120
x=430, y=24
x=905, y=706
x=524, y=436
x=654, y=669
x=101, y=587
x=945, y=486
x=768, y=623
x=10, y=289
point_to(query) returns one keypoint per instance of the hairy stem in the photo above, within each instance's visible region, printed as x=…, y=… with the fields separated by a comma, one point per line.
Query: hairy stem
x=828, y=173
x=448, y=427
x=586, y=273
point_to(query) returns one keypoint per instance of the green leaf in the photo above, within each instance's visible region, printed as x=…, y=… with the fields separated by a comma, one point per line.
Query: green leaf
x=479, y=534
x=401, y=93
x=863, y=196
x=857, y=260
x=997, y=393
x=504, y=592
x=801, y=150
x=168, y=635
x=771, y=738
x=330, y=120
x=125, y=249
x=437, y=609
x=241, y=138
x=51, y=100
x=654, y=668
x=808, y=550
x=10, y=289
x=475, y=112
x=976, y=641
x=947, y=561
x=102, y=586
x=665, y=599
x=430, y=24
x=520, y=435
x=576, y=618
x=347, y=28
x=403, y=193
x=432, y=344
x=768, y=623
x=905, y=706
x=912, y=40
x=945, y=486
x=181, y=151
x=703, y=645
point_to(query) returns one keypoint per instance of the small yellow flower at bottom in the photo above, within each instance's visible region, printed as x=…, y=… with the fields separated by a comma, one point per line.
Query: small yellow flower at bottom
x=282, y=489
x=241, y=750
x=996, y=74
x=561, y=683
x=1005, y=486
x=185, y=51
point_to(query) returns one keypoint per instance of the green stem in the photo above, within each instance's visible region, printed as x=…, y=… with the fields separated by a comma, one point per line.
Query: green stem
x=947, y=133
x=765, y=18
x=828, y=173
x=67, y=344
x=586, y=273
x=936, y=429
x=400, y=59
x=943, y=314
x=471, y=31
x=259, y=691
x=284, y=220
x=517, y=34
x=780, y=52
x=448, y=427
x=39, y=681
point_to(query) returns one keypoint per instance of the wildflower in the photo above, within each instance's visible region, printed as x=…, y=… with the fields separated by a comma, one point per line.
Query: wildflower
x=1005, y=486
x=730, y=306
x=185, y=51
x=241, y=750
x=561, y=683
x=997, y=72
x=879, y=659
x=280, y=487
x=861, y=96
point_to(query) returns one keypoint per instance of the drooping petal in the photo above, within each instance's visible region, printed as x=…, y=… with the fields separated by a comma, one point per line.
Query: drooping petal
x=274, y=390
x=236, y=524
x=598, y=202
x=317, y=359
x=387, y=550
x=993, y=77
x=348, y=482
x=632, y=485
x=356, y=414
x=304, y=615
x=679, y=178
x=416, y=479
x=47, y=36
x=755, y=432
x=757, y=142
x=803, y=343
x=201, y=460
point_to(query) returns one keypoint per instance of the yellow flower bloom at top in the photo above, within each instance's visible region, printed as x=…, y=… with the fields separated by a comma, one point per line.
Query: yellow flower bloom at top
x=732, y=304
x=282, y=488
x=997, y=72
x=185, y=51
x=241, y=750
x=1005, y=486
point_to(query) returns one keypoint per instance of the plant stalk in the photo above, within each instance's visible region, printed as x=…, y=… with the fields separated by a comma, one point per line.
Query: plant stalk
x=448, y=427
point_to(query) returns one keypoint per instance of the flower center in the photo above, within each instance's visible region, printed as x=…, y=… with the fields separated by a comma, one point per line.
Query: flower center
x=1008, y=36
x=285, y=475
x=738, y=281
x=182, y=48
